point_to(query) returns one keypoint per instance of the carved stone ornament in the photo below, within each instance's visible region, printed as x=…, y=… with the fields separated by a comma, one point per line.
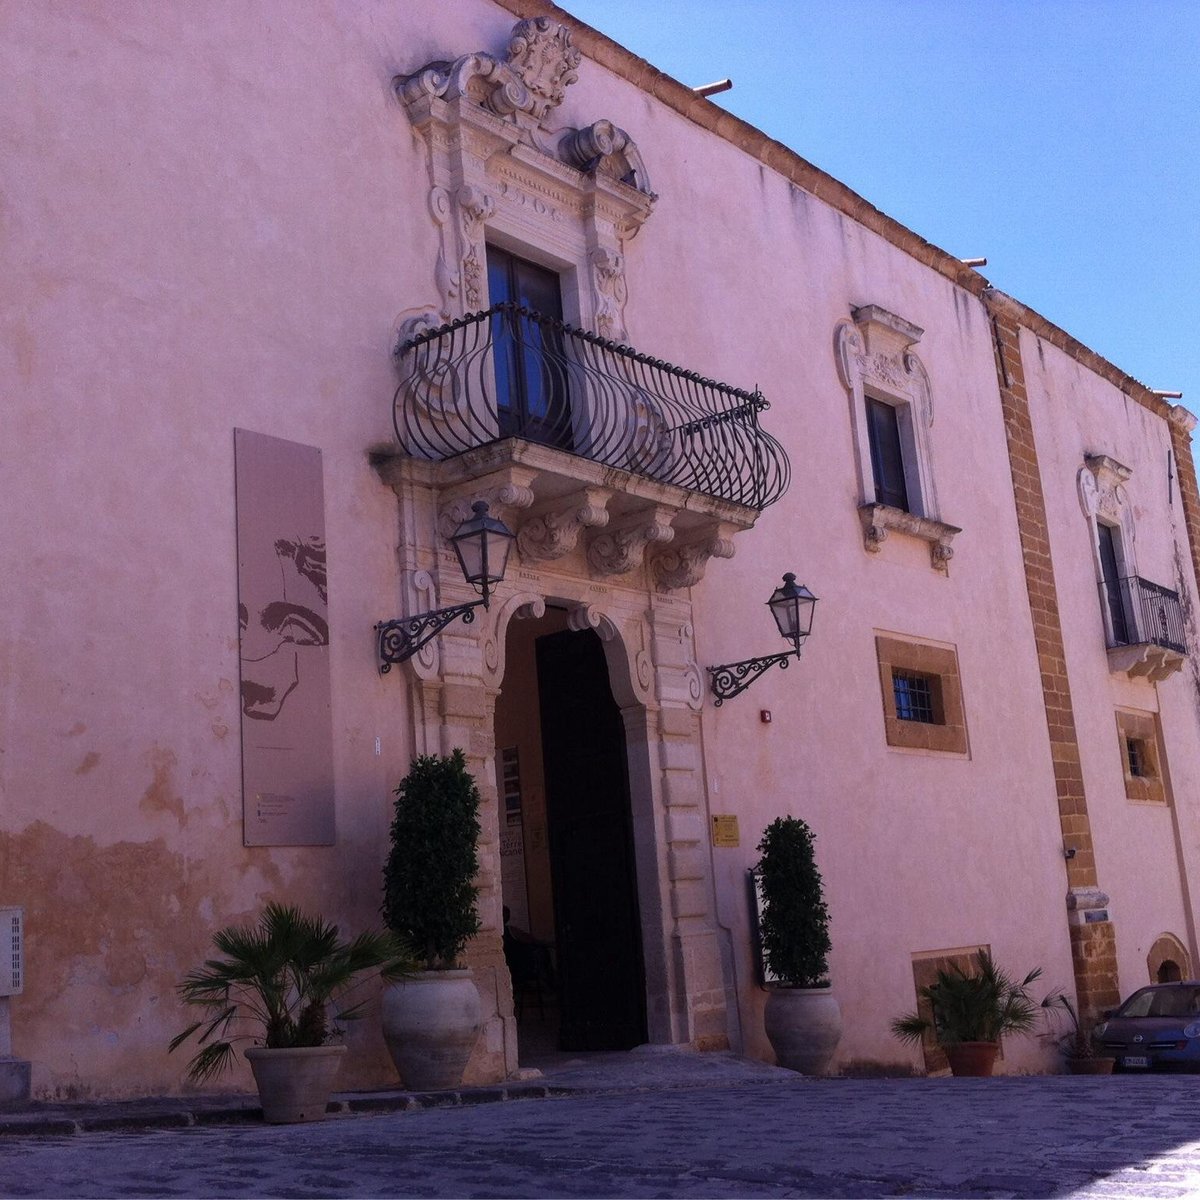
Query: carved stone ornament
x=1102, y=491
x=554, y=531
x=620, y=550
x=682, y=565
x=878, y=520
x=539, y=66
x=507, y=495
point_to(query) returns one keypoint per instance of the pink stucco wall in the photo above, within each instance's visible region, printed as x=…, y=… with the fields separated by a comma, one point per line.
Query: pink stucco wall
x=213, y=218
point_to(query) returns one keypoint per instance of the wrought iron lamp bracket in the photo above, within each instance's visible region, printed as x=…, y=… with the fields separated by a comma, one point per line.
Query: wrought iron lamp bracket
x=399, y=640
x=732, y=679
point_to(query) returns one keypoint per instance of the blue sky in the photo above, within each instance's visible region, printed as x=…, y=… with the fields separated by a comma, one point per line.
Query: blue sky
x=1059, y=139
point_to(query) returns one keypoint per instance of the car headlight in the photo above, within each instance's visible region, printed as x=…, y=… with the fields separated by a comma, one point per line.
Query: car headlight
x=1100, y=1029
x=1192, y=1030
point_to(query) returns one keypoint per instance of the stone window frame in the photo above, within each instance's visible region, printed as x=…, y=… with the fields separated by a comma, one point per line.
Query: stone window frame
x=875, y=360
x=1149, y=786
x=501, y=173
x=925, y=966
x=938, y=663
x=1105, y=502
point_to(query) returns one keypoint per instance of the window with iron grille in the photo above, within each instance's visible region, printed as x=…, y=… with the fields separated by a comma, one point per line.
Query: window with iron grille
x=914, y=697
x=1136, y=752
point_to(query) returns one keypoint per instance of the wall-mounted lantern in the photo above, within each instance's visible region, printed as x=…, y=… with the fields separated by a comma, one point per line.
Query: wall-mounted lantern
x=481, y=544
x=791, y=605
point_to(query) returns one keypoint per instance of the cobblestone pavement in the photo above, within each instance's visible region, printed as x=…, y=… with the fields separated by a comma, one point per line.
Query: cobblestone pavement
x=1045, y=1136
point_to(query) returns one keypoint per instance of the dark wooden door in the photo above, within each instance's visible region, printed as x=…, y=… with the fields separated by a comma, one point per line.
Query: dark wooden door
x=532, y=397
x=601, y=982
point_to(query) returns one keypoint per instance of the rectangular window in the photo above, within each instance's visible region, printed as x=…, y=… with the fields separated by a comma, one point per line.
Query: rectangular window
x=1140, y=756
x=1135, y=751
x=887, y=454
x=914, y=696
x=922, y=695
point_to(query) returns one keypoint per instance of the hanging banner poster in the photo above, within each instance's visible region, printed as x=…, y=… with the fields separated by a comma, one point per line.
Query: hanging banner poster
x=283, y=616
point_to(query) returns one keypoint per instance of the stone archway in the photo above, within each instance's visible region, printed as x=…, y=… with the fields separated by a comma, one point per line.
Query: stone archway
x=1168, y=961
x=656, y=682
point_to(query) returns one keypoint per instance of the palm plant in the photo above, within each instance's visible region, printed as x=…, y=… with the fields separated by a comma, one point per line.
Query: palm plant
x=281, y=975
x=976, y=1006
x=1077, y=1041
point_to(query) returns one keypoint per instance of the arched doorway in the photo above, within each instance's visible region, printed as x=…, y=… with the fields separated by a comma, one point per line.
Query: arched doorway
x=1168, y=961
x=569, y=882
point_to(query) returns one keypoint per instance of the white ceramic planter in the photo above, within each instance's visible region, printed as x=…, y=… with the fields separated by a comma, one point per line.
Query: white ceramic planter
x=294, y=1084
x=804, y=1026
x=431, y=1023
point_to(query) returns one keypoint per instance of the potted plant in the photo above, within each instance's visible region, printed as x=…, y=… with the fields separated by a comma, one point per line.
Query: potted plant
x=282, y=976
x=802, y=1018
x=971, y=1012
x=1076, y=1045
x=431, y=1020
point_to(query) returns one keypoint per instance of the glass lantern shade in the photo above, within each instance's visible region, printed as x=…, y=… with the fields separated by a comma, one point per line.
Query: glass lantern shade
x=792, y=607
x=482, y=544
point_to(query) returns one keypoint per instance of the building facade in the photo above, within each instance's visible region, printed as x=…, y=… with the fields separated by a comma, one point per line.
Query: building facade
x=249, y=247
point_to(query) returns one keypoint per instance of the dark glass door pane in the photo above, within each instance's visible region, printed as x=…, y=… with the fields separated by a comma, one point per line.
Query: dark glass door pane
x=887, y=457
x=1112, y=586
x=531, y=381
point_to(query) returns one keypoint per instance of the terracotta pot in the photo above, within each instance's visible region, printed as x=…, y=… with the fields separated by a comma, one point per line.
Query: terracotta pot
x=804, y=1026
x=294, y=1084
x=972, y=1058
x=431, y=1024
x=1090, y=1066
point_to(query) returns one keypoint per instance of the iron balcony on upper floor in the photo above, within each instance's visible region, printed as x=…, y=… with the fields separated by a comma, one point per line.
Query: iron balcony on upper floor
x=509, y=372
x=1144, y=627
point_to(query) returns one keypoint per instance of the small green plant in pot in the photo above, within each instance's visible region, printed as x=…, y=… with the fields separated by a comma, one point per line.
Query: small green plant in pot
x=431, y=1021
x=971, y=1012
x=276, y=985
x=802, y=1018
x=1075, y=1044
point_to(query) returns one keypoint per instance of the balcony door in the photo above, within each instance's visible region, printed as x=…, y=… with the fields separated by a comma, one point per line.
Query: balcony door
x=532, y=398
x=1113, y=592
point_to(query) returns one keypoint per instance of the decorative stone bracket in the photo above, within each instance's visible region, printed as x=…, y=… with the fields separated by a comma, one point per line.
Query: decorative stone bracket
x=682, y=563
x=552, y=530
x=1144, y=660
x=878, y=520
x=622, y=547
x=558, y=504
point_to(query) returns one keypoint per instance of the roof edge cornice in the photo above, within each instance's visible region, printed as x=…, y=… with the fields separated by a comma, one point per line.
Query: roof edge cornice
x=786, y=162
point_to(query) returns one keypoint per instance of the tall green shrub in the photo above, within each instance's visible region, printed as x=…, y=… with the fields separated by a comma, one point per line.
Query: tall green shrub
x=428, y=880
x=794, y=923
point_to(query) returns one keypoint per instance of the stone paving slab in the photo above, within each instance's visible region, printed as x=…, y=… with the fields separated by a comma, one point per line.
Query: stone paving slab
x=645, y=1068
x=1117, y=1138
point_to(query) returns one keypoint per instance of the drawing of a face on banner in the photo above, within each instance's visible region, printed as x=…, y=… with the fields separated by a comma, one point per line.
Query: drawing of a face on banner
x=292, y=617
x=283, y=619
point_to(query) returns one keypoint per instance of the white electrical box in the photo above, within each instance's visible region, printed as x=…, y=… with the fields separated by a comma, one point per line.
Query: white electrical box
x=12, y=951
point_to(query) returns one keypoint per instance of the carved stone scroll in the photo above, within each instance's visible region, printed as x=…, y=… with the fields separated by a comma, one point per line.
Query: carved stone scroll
x=506, y=495
x=553, y=532
x=682, y=564
x=622, y=547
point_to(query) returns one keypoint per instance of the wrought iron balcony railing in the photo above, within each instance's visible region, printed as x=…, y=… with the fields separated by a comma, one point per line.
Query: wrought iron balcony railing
x=509, y=372
x=1143, y=612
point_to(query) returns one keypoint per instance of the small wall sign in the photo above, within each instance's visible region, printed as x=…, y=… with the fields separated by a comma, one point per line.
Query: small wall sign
x=725, y=830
